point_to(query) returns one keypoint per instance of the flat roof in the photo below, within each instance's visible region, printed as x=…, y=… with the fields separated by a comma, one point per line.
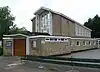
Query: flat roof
x=12, y=35
x=45, y=36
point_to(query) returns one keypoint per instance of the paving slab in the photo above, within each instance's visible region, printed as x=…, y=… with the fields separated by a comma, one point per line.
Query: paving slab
x=91, y=54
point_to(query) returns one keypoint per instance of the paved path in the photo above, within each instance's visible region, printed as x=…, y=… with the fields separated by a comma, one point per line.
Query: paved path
x=61, y=68
x=91, y=54
x=13, y=64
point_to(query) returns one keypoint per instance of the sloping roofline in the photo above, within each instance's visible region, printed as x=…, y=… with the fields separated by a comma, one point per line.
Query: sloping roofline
x=47, y=9
x=11, y=35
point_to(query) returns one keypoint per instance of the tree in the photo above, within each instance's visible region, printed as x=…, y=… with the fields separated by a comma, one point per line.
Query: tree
x=94, y=24
x=6, y=20
x=14, y=29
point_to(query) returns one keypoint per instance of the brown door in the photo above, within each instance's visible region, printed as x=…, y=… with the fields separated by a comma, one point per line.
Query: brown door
x=19, y=47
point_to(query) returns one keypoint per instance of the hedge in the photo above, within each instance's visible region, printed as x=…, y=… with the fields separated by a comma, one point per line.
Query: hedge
x=1, y=51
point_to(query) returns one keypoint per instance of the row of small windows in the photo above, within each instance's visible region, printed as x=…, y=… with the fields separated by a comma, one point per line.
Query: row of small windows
x=56, y=39
x=66, y=40
x=85, y=42
x=80, y=31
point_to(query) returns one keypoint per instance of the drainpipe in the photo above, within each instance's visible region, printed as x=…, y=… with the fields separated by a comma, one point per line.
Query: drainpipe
x=98, y=43
x=27, y=46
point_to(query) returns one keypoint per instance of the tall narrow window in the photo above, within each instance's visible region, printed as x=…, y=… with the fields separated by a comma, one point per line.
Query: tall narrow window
x=78, y=43
x=71, y=43
x=84, y=42
x=94, y=42
x=48, y=16
x=34, y=43
x=89, y=42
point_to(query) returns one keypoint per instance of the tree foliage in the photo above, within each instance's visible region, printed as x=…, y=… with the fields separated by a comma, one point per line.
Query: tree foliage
x=94, y=24
x=14, y=29
x=7, y=22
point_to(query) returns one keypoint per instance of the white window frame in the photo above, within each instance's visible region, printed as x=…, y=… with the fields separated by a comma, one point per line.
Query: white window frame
x=90, y=43
x=57, y=40
x=78, y=44
x=71, y=43
x=94, y=42
x=84, y=44
x=33, y=43
x=47, y=40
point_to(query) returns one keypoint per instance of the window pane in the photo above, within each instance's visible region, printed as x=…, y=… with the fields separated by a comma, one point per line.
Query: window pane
x=77, y=43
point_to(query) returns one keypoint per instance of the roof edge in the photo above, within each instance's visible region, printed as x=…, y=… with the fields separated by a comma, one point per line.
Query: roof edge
x=15, y=35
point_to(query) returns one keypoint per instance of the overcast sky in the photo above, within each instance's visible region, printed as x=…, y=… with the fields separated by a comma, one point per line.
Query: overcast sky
x=79, y=10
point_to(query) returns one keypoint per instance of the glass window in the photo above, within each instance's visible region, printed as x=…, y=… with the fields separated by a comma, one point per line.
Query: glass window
x=84, y=43
x=70, y=43
x=94, y=42
x=59, y=39
x=47, y=39
x=62, y=39
x=48, y=30
x=45, y=20
x=89, y=42
x=8, y=44
x=42, y=30
x=45, y=27
x=78, y=43
x=53, y=39
x=48, y=16
x=34, y=43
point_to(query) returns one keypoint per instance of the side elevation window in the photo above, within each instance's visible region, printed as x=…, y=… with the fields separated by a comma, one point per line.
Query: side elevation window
x=78, y=43
x=84, y=42
x=89, y=42
x=34, y=43
x=94, y=42
x=62, y=39
x=71, y=43
x=47, y=39
x=66, y=40
x=53, y=39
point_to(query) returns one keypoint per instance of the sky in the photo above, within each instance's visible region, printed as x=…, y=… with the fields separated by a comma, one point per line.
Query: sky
x=79, y=10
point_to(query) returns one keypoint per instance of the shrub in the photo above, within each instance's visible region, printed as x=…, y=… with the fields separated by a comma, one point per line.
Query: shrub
x=1, y=50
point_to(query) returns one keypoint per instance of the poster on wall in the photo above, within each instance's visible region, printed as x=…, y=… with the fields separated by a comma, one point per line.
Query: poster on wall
x=8, y=44
x=34, y=43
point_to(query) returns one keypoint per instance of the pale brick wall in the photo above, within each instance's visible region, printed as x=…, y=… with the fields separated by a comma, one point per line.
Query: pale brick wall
x=82, y=47
x=7, y=51
x=44, y=48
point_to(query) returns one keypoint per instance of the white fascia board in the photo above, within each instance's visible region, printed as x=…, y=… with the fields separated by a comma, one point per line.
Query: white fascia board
x=7, y=38
x=16, y=35
x=85, y=38
x=48, y=36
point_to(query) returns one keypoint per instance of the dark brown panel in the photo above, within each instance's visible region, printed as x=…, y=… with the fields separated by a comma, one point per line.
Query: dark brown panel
x=19, y=47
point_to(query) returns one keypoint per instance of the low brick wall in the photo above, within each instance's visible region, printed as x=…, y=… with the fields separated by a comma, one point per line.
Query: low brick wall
x=46, y=48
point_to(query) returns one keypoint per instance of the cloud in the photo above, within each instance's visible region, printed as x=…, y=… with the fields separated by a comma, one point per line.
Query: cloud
x=23, y=10
x=79, y=10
